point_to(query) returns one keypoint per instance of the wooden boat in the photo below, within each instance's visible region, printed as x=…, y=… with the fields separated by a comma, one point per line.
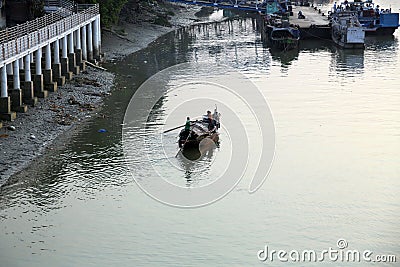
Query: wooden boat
x=281, y=34
x=347, y=31
x=198, y=140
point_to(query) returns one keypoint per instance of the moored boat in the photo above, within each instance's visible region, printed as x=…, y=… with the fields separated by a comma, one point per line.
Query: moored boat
x=347, y=31
x=374, y=19
x=281, y=34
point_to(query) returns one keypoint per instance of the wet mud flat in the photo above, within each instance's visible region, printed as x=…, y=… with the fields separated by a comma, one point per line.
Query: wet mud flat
x=31, y=133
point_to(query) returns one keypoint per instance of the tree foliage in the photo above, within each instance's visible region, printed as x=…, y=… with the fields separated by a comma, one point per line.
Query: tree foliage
x=109, y=9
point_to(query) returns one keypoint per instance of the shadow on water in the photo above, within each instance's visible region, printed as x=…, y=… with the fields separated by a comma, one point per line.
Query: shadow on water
x=286, y=58
x=382, y=43
x=348, y=63
x=347, y=60
x=189, y=161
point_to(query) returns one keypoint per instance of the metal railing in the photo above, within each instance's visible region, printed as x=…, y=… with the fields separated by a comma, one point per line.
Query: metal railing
x=59, y=3
x=22, y=37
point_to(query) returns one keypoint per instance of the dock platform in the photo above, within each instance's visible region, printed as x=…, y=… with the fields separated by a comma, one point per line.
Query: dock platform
x=314, y=25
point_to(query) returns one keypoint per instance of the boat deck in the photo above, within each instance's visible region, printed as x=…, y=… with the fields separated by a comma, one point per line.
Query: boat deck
x=312, y=17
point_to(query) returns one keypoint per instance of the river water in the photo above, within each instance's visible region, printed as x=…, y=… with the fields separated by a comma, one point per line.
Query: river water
x=335, y=173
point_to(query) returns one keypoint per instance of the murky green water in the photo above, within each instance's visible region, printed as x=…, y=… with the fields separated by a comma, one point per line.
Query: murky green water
x=335, y=175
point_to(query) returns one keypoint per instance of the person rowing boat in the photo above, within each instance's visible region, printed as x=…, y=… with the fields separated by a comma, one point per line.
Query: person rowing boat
x=195, y=132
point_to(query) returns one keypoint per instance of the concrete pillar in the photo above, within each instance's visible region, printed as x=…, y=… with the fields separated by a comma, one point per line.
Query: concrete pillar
x=3, y=77
x=75, y=37
x=84, y=42
x=71, y=43
x=16, y=93
x=56, y=52
x=27, y=60
x=9, y=68
x=10, y=72
x=28, y=95
x=5, y=102
x=64, y=60
x=16, y=75
x=78, y=51
x=21, y=63
x=71, y=55
x=99, y=33
x=47, y=54
x=57, y=76
x=90, y=42
x=49, y=85
x=96, y=42
x=64, y=47
x=78, y=38
x=38, y=85
x=21, y=70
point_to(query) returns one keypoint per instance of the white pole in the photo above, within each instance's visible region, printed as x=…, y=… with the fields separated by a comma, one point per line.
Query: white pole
x=57, y=52
x=48, y=57
x=21, y=63
x=78, y=38
x=71, y=43
x=3, y=92
x=84, y=39
x=28, y=68
x=16, y=75
x=9, y=69
x=64, y=47
x=98, y=24
x=96, y=37
x=74, y=33
x=38, y=61
x=90, y=39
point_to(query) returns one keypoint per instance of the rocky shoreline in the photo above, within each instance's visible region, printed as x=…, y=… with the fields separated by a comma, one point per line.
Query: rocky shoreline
x=54, y=118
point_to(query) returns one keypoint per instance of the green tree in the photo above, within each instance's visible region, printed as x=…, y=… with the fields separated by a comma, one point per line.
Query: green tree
x=109, y=9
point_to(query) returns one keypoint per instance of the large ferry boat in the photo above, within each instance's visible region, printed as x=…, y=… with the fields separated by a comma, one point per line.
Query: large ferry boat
x=374, y=19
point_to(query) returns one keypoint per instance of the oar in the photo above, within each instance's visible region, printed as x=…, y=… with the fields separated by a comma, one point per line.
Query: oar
x=177, y=127
x=173, y=128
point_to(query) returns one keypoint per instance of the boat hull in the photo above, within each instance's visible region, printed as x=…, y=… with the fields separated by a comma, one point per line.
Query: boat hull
x=289, y=42
x=194, y=149
x=387, y=31
x=285, y=44
x=349, y=45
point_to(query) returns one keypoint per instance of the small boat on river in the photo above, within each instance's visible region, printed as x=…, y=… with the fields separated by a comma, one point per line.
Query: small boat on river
x=202, y=135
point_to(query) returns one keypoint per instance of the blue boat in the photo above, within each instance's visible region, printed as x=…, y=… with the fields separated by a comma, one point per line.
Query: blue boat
x=374, y=19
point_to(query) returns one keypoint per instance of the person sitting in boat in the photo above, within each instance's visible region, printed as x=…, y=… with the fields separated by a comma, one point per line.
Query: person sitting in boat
x=206, y=117
x=212, y=125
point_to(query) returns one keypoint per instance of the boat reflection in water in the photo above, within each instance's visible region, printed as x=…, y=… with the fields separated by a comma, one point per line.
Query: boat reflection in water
x=196, y=160
x=284, y=57
x=349, y=61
